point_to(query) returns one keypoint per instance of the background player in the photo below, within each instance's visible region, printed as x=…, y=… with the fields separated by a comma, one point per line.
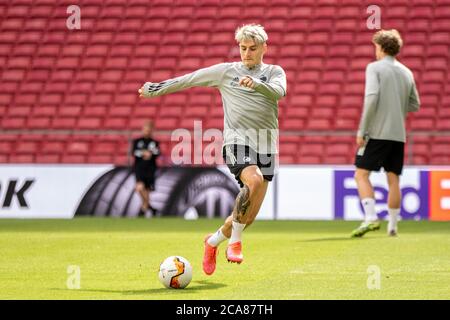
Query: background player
x=145, y=151
x=390, y=94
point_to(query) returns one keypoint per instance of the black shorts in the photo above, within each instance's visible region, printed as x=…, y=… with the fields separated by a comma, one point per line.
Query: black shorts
x=147, y=179
x=381, y=153
x=237, y=157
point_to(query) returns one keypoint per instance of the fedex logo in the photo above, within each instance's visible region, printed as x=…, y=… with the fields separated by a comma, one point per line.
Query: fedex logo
x=425, y=195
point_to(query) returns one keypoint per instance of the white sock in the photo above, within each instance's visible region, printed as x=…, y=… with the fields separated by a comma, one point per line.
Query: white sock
x=236, y=232
x=369, y=209
x=393, y=218
x=217, y=238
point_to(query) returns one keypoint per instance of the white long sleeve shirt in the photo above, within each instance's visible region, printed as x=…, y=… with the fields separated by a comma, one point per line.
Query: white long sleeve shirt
x=250, y=115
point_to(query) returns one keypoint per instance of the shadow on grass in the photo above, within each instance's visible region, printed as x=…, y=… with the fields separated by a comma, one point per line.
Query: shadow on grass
x=193, y=287
x=338, y=239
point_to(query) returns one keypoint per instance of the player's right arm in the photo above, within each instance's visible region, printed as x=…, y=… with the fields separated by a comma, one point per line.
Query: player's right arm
x=414, y=100
x=206, y=77
x=137, y=153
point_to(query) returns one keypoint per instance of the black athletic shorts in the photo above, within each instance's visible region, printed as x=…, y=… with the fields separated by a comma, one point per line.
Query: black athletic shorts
x=381, y=153
x=147, y=179
x=237, y=157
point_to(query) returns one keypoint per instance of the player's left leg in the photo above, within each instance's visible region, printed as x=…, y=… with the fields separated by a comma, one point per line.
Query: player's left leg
x=394, y=167
x=367, y=197
x=256, y=201
x=143, y=193
x=394, y=202
x=225, y=230
x=248, y=203
x=150, y=186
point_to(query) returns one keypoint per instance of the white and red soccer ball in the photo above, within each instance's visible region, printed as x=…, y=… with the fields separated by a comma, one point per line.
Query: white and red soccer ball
x=175, y=272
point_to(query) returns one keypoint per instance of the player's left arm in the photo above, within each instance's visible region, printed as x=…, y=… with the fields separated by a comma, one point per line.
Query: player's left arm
x=154, y=149
x=414, y=100
x=274, y=89
x=135, y=151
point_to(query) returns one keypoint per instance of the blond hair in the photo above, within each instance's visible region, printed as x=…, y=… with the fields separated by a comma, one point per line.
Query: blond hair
x=253, y=32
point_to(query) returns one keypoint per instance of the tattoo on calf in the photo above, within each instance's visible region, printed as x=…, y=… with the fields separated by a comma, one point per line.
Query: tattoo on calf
x=242, y=203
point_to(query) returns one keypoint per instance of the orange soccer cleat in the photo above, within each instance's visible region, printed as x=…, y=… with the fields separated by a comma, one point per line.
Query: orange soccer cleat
x=209, y=257
x=234, y=252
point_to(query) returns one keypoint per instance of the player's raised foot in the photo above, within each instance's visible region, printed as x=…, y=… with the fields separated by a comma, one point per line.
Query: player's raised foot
x=234, y=252
x=364, y=228
x=209, y=257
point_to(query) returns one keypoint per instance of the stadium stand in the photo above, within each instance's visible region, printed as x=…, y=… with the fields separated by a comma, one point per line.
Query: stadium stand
x=70, y=96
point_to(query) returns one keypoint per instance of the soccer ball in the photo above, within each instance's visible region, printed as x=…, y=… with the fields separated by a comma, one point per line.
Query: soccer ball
x=175, y=272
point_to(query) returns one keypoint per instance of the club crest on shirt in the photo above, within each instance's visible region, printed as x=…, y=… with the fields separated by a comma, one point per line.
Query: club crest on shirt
x=235, y=82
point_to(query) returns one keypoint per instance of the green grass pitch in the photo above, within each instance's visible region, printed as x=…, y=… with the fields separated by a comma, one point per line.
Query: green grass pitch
x=119, y=259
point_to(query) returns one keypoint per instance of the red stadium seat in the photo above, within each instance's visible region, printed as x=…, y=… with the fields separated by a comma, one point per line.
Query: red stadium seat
x=48, y=158
x=39, y=123
x=64, y=123
x=422, y=124
x=294, y=124
x=309, y=159
x=287, y=159
x=73, y=158
x=345, y=124
x=76, y=147
x=53, y=147
x=13, y=123
x=318, y=124
x=296, y=112
x=315, y=149
x=443, y=124
x=340, y=160
x=214, y=123
x=21, y=158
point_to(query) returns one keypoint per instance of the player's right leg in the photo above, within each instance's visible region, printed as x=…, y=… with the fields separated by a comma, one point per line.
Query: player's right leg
x=247, y=205
x=211, y=244
x=369, y=158
x=231, y=229
x=394, y=202
x=367, y=197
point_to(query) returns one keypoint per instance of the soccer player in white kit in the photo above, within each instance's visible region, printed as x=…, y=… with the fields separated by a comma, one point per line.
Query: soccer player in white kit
x=390, y=94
